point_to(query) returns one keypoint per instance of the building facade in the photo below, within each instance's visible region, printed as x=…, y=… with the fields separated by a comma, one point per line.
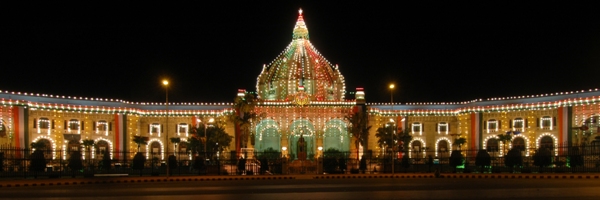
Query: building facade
x=301, y=100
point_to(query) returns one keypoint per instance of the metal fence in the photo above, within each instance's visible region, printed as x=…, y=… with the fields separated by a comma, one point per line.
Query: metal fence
x=17, y=163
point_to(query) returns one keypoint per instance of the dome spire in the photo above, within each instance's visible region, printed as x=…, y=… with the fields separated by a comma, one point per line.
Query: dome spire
x=300, y=30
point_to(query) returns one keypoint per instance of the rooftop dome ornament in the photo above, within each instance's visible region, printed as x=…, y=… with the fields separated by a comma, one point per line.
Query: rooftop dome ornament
x=300, y=64
x=300, y=30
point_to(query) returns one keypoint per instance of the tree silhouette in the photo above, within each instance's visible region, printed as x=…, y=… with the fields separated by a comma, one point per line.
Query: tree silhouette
x=106, y=162
x=138, y=162
x=483, y=159
x=513, y=159
x=75, y=162
x=542, y=158
x=456, y=159
x=139, y=140
x=38, y=161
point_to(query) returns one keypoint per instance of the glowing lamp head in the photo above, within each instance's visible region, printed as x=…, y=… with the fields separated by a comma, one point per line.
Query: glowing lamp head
x=165, y=82
x=392, y=86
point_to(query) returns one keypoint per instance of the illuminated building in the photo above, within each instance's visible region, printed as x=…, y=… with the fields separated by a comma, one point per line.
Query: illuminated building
x=302, y=95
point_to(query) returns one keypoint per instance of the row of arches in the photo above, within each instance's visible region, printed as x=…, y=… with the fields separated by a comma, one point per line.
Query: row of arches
x=49, y=147
x=491, y=144
x=268, y=136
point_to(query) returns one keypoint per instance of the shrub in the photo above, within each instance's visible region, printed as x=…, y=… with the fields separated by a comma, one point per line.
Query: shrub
x=513, y=158
x=483, y=159
x=138, y=162
x=456, y=159
x=75, y=162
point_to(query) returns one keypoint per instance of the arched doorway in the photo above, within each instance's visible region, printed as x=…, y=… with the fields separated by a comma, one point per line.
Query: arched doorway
x=46, y=147
x=336, y=136
x=547, y=142
x=73, y=145
x=492, y=145
x=155, y=151
x=267, y=137
x=305, y=129
x=518, y=143
x=101, y=148
x=416, y=148
x=443, y=148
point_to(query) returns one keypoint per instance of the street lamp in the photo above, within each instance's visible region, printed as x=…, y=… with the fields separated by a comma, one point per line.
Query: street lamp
x=392, y=96
x=320, y=149
x=283, y=151
x=166, y=84
x=393, y=125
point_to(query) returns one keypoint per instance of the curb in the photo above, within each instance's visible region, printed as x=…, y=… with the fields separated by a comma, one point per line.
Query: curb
x=462, y=176
x=134, y=180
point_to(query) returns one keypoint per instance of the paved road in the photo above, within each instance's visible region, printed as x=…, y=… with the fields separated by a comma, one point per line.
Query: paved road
x=563, y=186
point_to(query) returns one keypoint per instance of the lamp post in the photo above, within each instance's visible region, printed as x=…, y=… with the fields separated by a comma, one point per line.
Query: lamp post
x=393, y=125
x=392, y=96
x=166, y=84
x=210, y=121
x=283, y=149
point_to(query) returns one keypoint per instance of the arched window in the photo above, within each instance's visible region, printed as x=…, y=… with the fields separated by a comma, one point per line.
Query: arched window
x=443, y=146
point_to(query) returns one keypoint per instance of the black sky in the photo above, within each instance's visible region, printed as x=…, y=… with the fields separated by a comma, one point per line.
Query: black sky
x=434, y=51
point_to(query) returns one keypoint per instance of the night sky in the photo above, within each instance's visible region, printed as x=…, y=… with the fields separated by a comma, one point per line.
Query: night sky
x=434, y=52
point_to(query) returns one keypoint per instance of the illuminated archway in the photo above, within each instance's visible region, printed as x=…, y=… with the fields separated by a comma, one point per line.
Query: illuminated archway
x=155, y=146
x=302, y=128
x=442, y=145
x=336, y=135
x=268, y=135
x=50, y=145
x=548, y=140
x=421, y=146
x=110, y=146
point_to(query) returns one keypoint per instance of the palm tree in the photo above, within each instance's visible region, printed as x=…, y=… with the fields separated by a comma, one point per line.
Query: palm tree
x=405, y=138
x=386, y=136
x=459, y=142
x=359, y=129
x=87, y=143
x=504, y=138
x=139, y=140
x=245, y=115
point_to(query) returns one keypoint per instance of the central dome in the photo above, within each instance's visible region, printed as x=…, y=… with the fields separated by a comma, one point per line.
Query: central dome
x=300, y=67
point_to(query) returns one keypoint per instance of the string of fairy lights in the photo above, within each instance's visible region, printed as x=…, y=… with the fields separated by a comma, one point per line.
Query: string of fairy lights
x=300, y=64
